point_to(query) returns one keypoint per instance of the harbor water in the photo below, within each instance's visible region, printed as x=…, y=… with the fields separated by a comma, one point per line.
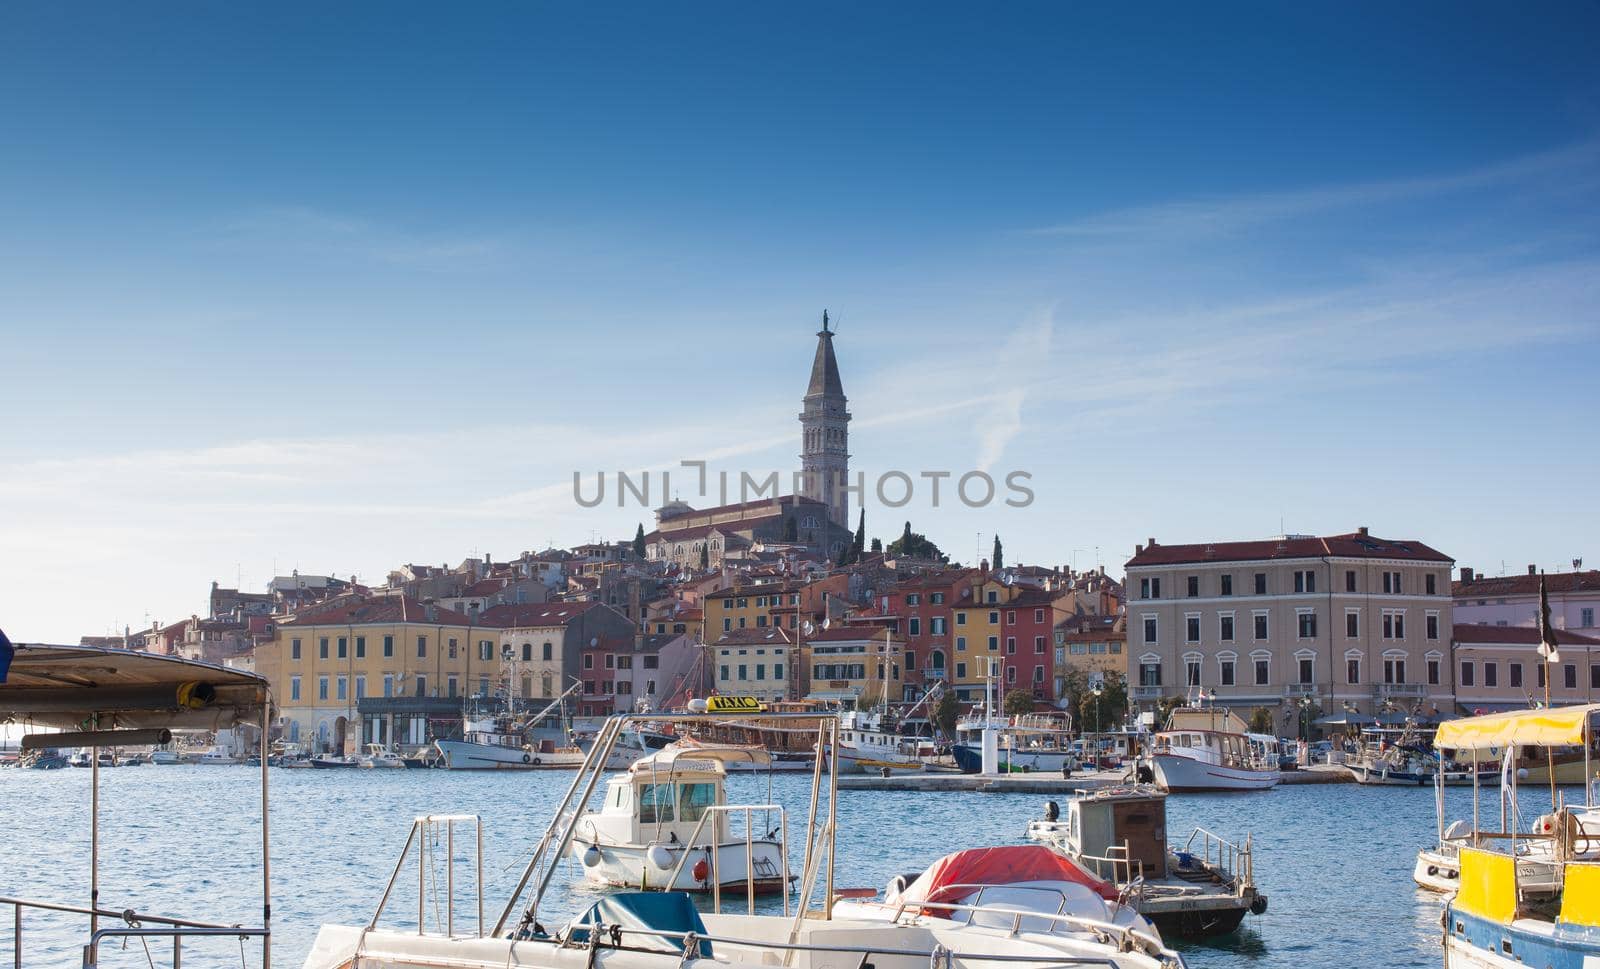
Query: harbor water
x=1334, y=860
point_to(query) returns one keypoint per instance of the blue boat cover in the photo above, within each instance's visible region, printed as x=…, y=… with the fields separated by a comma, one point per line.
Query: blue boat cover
x=658, y=911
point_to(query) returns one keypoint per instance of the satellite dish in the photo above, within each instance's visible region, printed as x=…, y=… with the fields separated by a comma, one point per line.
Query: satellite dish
x=809, y=627
x=594, y=640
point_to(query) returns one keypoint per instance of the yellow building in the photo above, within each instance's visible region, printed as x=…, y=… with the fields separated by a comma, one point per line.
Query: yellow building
x=854, y=665
x=750, y=607
x=325, y=659
x=975, y=635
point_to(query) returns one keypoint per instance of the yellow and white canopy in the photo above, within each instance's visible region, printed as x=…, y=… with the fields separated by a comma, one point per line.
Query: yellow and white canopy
x=1551, y=727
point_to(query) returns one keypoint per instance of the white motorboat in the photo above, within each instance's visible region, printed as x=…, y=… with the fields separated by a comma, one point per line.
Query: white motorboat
x=665, y=824
x=1030, y=743
x=867, y=745
x=1023, y=907
x=218, y=756
x=1203, y=888
x=378, y=756
x=504, y=742
x=1204, y=749
x=164, y=756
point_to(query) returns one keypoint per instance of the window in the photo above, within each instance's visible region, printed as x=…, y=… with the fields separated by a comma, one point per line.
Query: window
x=1307, y=675
x=654, y=662
x=1011, y=674
x=1433, y=672
x=913, y=599
x=723, y=674
x=422, y=646
x=1150, y=629
x=994, y=644
x=1226, y=678
x=1150, y=588
x=294, y=649
x=961, y=671
x=961, y=619
x=936, y=626
x=388, y=684
x=937, y=598
x=1038, y=645
x=1305, y=581
x=727, y=625
x=322, y=687
x=1432, y=625
x=1585, y=619
x=655, y=801
x=1261, y=583
x=1308, y=625
x=1569, y=676
x=527, y=652
x=777, y=672
x=994, y=618
x=1011, y=645
x=1191, y=671
x=1430, y=581
x=361, y=687
x=1227, y=585
x=1394, y=669
x=1349, y=580
x=1011, y=617
x=1394, y=624
x=588, y=661
x=485, y=650
x=1467, y=677
x=1491, y=670
x=992, y=596
x=388, y=645
x=1515, y=670
x=1391, y=583
x=422, y=686
x=1191, y=629
x=914, y=627
x=761, y=671
x=1261, y=625
x=1225, y=628
x=322, y=647
x=611, y=661
x=1352, y=671
x=1038, y=616
x=1150, y=674
x=1352, y=625
x=1193, y=583
x=294, y=686
x=961, y=644
x=1262, y=671
x=344, y=647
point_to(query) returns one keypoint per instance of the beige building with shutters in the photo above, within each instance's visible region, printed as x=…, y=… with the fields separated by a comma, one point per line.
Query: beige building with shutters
x=1302, y=625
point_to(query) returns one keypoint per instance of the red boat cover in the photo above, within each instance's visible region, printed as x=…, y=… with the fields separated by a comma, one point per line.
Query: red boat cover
x=999, y=866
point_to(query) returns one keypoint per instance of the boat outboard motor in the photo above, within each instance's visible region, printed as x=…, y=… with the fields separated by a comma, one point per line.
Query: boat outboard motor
x=1052, y=811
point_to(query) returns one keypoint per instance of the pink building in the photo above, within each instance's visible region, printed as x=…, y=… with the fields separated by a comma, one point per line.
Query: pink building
x=1513, y=600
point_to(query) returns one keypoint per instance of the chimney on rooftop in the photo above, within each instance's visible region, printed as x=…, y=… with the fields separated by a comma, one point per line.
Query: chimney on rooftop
x=1533, y=570
x=1151, y=543
x=1138, y=550
x=1362, y=531
x=1466, y=573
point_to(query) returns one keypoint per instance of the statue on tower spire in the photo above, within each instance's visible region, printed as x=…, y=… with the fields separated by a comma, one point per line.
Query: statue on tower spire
x=824, y=321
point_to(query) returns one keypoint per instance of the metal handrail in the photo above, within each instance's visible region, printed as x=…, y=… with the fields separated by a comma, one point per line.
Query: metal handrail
x=128, y=916
x=91, y=952
x=711, y=851
x=1223, y=855
x=421, y=827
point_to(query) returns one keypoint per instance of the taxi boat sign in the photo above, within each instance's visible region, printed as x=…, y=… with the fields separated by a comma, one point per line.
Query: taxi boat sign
x=734, y=704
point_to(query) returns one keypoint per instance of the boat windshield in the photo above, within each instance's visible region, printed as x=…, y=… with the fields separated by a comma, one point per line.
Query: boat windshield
x=655, y=803
x=693, y=799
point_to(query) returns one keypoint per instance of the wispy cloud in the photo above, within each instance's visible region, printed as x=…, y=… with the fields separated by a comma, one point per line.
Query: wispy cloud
x=1220, y=216
x=323, y=234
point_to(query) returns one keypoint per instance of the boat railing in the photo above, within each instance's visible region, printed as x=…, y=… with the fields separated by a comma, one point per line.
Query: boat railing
x=713, y=855
x=1233, y=861
x=134, y=925
x=425, y=835
x=1122, y=868
x=1126, y=937
x=938, y=957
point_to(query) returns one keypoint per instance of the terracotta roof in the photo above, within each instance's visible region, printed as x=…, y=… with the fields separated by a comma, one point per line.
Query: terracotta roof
x=756, y=636
x=521, y=614
x=1353, y=545
x=362, y=610
x=485, y=587
x=1525, y=585
x=1514, y=635
x=934, y=580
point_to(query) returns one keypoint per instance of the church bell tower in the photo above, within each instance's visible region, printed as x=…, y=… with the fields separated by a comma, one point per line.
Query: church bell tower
x=825, y=433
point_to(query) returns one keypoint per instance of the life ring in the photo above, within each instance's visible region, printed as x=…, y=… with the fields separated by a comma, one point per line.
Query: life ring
x=527, y=758
x=1433, y=869
x=537, y=761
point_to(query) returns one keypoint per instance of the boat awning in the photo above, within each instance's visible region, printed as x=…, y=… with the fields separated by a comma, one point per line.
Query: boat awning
x=1553, y=727
x=958, y=875
x=1345, y=720
x=78, y=687
x=700, y=757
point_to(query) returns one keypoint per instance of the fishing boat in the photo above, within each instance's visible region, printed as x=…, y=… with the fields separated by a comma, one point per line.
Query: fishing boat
x=868, y=745
x=1202, y=889
x=380, y=757
x=967, y=913
x=506, y=741
x=665, y=824
x=1206, y=749
x=335, y=762
x=1525, y=898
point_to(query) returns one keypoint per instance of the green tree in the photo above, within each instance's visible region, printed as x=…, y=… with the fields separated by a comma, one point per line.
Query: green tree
x=1018, y=702
x=1261, y=721
x=877, y=546
x=999, y=557
x=791, y=530
x=915, y=545
x=861, y=538
x=638, y=542
x=1164, y=709
x=1106, y=711
x=946, y=711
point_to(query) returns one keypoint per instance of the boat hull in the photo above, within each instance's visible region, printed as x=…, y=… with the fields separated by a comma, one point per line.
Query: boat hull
x=1436, y=871
x=857, y=762
x=628, y=866
x=1473, y=942
x=1183, y=774
x=969, y=759
x=464, y=755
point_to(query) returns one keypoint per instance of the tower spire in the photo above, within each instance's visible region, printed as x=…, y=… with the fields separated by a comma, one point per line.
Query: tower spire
x=824, y=422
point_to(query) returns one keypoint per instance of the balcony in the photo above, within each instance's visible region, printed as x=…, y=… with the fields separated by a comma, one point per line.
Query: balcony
x=1300, y=689
x=1137, y=693
x=1412, y=690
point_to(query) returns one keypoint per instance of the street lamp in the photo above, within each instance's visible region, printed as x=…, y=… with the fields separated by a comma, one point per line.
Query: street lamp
x=1097, y=691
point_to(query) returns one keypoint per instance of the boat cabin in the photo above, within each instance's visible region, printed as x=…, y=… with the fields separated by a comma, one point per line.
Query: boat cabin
x=1121, y=833
x=1208, y=746
x=663, y=797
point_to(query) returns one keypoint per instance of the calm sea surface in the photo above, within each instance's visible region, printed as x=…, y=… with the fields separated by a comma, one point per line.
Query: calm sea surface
x=1335, y=860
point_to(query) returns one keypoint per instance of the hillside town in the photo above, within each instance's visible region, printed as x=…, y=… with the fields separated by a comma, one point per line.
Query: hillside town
x=782, y=600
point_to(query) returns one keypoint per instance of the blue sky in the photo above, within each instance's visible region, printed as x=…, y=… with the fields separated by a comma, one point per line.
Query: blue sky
x=335, y=289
